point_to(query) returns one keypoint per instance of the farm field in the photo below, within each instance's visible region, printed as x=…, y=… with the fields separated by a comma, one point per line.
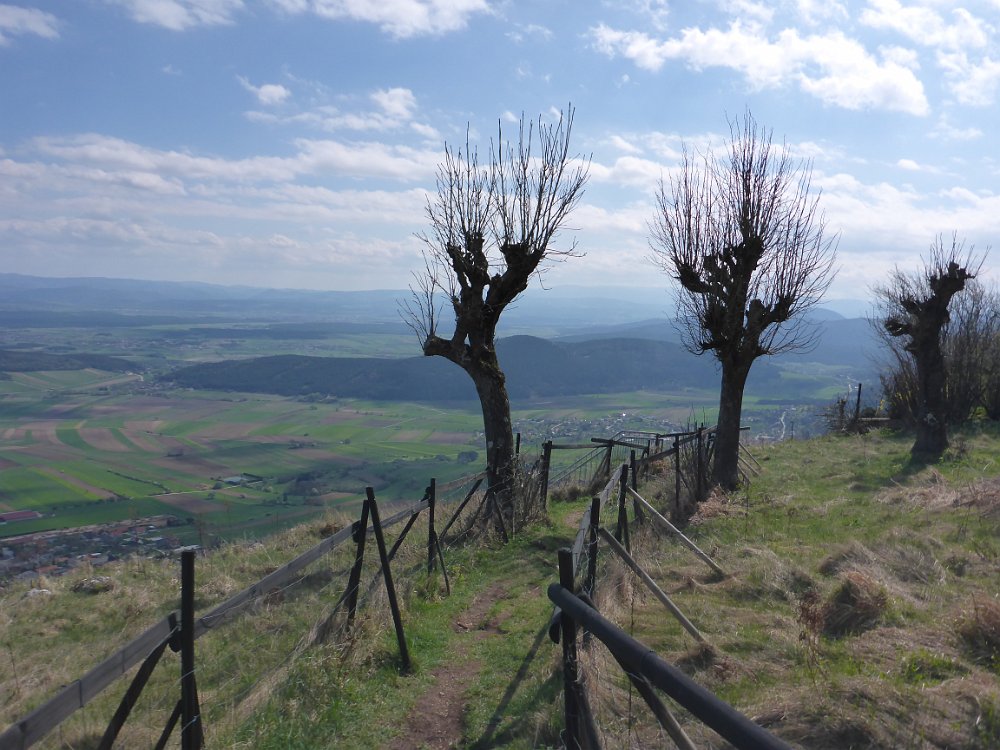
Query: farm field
x=81, y=454
x=82, y=457
x=86, y=446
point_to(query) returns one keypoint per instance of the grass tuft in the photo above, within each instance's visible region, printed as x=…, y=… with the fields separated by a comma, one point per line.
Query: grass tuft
x=859, y=603
x=979, y=629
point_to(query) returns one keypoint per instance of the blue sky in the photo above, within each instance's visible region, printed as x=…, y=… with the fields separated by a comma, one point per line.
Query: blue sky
x=292, y=143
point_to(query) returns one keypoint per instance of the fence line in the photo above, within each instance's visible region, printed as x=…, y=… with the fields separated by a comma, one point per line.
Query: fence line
x=38, y=723
x=640, y=661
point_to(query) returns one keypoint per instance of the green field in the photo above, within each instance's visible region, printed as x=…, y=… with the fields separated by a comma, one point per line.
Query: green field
x=66, y=453
x=71, y=441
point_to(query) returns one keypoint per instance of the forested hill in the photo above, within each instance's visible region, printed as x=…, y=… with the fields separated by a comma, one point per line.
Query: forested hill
x=24, y=361
x=535, y=368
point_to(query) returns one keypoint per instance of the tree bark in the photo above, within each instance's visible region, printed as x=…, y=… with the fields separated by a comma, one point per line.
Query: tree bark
x=492, y=389
x=725, y=469
x=931, y=423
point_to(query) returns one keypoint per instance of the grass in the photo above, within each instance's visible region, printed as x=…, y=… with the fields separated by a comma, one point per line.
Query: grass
x=835, y=525
x=862, y=609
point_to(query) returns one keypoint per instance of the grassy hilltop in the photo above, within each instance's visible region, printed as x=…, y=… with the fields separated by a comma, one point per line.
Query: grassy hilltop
x=862, y=611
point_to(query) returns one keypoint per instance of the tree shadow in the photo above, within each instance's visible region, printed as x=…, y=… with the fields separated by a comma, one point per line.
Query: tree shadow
x=491, y=738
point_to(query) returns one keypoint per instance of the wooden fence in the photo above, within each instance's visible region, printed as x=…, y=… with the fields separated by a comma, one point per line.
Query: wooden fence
x=690, y=453
x=574, y=597
x=180, y=629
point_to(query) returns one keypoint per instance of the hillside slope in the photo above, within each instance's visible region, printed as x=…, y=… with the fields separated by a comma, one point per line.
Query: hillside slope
x=913, y=661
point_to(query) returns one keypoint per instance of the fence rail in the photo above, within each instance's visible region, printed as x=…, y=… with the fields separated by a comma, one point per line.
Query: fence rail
x=40, y=722
x=640, y=661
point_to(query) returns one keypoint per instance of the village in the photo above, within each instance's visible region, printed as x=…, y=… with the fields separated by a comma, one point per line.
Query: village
x=30, y=557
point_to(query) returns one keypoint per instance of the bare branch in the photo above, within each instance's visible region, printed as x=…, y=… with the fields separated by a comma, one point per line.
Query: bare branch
x=745, y=240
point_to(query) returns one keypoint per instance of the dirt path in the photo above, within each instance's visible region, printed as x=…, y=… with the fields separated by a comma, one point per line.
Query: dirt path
x=436, y=720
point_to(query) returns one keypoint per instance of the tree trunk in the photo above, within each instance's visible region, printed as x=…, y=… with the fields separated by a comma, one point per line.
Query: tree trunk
x=492, y=389
x=931, y=423
x=725, y=469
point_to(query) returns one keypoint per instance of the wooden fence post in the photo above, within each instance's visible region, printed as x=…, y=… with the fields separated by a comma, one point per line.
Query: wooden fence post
x=546, y=465
x=595, y=523
x=571, y=708
x=390, y=589
x=701, y=468
x=635, y=485
x=622, y=532
x=677, y=478
x=517, y=444
x=431, y=534
x=354, y=580
x=191, y=729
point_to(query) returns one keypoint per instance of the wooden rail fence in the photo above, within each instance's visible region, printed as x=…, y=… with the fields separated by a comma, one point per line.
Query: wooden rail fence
x=180, y=629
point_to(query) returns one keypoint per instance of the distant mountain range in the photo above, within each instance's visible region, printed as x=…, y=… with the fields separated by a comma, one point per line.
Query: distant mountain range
x=568, y=340
x=563, y=310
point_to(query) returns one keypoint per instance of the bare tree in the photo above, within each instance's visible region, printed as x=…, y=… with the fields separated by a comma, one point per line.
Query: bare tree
x=915, y=308
x=969, y=340
x=492, y=226
x=744, y=239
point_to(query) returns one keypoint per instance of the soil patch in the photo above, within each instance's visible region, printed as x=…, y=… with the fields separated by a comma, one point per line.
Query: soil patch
x=71, y=480
x=143, y=441
x=191, y=503
x=449, y=438
x=103, y=439
x=45, y=432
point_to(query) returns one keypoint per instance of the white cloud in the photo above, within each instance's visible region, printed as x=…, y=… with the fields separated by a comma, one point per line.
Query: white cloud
x=830, y=66
x=972, y=83
x=900, y=221
x=394, y=109
x=399, y=18
x=631, y=171
x=178, y=15
x=397, y=103
x=926, y=26
x=522, y=32
x=365, y=159
x=946, y=131
x=909, y=165
x=15, y=21
x=369, y=159
x=814, y=12
x=425, y=131
x=624, y=145
x=654, y=12
x=749, y=11
x=269, y=94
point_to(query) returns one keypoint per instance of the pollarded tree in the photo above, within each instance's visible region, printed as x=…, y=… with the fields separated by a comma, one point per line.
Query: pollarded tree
x=914, y=306
x=743, y=237
x=492, y=227
x=969, y=340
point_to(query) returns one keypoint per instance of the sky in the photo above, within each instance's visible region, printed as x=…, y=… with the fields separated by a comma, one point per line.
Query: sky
x=294, y=143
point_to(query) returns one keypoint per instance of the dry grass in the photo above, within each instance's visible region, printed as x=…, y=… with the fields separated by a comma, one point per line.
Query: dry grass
x=859, y=603
x=979, y=629
x=861, y=611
